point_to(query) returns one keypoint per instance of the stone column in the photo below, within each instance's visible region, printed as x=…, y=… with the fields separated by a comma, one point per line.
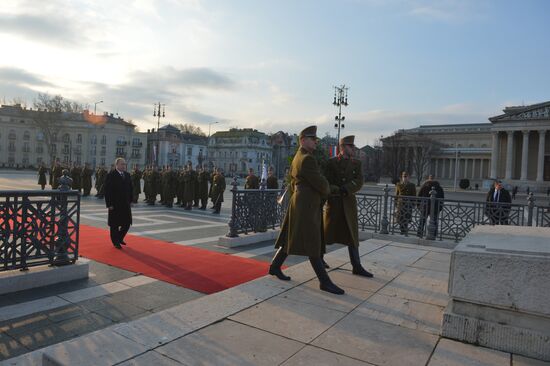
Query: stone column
x=494, y=156
x=509, y=153
x=436, y=173
x=481, y=168
x=540, y=161
x=524, y=155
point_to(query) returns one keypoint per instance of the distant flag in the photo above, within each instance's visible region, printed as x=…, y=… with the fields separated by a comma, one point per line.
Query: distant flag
x=332, y=151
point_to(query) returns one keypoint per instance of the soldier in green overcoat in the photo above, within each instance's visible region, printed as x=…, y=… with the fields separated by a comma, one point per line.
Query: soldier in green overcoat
x=75, y=175
x=170, y=180
x=404, y=205
x=101, y=176
x=135, y=176
x=203, y=178
x=42, y=176
x=180, y=187
x=218, y=187
x=86, y=179
x=345, y=177
x=271, y=181
x=252, y=181
x=57, y=173
x=189, y=186
x=302, y=232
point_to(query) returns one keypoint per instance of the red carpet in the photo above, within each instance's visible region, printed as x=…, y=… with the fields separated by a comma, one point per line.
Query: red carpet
x=197, y=269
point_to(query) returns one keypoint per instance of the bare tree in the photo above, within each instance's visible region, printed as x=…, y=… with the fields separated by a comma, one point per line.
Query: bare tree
x=48, y=117
x=190, y=129
x=396, y=158
x=423, y=149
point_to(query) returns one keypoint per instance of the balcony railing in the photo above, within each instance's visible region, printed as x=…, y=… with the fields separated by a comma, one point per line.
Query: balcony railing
x=121, y=143
x=38, y=228
x=137, y=144
x=426, y=217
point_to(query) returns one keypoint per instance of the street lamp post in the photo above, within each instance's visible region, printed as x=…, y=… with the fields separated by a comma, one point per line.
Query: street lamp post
x=340, y=99
x=210, y=124
x=95, y=106
x=158, y=113
x=457, y=153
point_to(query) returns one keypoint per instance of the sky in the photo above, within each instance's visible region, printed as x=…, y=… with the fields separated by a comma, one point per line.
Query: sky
x=272, y=65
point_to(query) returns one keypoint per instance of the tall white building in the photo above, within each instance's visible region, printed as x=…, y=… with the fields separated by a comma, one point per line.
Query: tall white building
x=75, y=138
x=237, y=150
x=176, y=148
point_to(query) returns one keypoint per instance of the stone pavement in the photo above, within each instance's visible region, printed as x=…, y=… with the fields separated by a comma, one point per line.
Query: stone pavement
x=393, y=319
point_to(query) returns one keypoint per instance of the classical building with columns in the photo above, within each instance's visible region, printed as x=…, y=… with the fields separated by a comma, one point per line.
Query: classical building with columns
x=512, y=147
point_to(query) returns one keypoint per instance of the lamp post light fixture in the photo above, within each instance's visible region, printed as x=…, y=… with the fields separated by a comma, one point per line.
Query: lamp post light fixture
x=158, y=111
x=95, y=106
x=340, y=99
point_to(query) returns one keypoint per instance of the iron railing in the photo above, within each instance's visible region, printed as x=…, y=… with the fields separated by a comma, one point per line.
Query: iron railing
x=255, y=210
x=38, y=228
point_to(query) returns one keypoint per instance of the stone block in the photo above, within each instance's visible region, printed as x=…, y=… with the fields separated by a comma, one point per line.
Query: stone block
x=500, y=290
x=503, y=266
x=40, y=276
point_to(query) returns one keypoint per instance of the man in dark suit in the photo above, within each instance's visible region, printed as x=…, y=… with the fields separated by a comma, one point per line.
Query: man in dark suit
x=118, y=199
x=498, y=204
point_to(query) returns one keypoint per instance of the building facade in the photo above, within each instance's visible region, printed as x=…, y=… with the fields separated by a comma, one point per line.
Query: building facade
x=284, y=146
x=512, y=147
x=237, y=150
x=75, y=138
x=175, y=148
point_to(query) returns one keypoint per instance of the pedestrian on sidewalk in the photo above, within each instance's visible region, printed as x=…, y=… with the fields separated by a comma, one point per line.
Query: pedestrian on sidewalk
x=42, y=176
x=425, y=207
x=404, y=193
x=345, y=177
x=302, y=230
x=514, y=192
x=498, y=204
x=118, y=199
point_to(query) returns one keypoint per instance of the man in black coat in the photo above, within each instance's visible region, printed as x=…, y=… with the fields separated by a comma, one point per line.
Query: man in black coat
x=118, y=199
x=498, y=204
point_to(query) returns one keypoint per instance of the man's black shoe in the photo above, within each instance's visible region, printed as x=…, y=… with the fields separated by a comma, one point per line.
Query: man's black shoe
x=122, y=242
x=362, y=272
x=117, y=245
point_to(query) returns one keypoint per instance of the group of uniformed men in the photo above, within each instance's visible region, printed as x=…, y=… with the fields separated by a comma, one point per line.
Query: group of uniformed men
x=191, y=188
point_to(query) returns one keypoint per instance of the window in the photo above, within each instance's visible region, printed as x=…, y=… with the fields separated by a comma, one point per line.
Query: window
x=11, y=146
x=54, y=149
x=54, y=137
x=66, y=159
x=25, y=160
x=102, y=161
x=39, y=136
x=103, y=140
x=135, y=153
x=93, y=150
x=12, y=135
x=26, y=135
x=38, y=160
x=65, y=149
x=26, y=147
x=66, y=137
x=94, y=140
x=79, y=139
x=103, y=150
x=119, y=151
x=39, y=149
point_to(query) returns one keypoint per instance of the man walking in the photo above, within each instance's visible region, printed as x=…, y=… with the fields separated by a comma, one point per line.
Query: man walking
x=86, y=179
x=345, y=177
x=118, y=199
x=218, y=187
x=301, y=232
x=42, y=176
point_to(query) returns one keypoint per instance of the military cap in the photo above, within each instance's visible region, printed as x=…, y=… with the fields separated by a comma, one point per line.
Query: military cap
x=348, y=140
x=311, y=131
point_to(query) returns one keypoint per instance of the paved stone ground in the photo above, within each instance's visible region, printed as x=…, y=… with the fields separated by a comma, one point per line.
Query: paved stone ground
x=404, y=302
x=393, y=319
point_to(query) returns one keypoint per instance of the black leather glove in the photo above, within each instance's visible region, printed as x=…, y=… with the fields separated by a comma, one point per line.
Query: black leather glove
x=343, y=191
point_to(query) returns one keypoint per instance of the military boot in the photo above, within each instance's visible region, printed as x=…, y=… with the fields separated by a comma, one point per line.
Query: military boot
x=325, y=283
x=355, y=260
x=276, y=263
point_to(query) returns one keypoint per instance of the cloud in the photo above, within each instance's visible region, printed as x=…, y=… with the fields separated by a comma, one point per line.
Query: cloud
x=14, y=75
x=45, y=28
x=448, y=11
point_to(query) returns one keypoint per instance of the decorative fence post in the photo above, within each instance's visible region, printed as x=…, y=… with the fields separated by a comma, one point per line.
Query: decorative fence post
x=63, y=238
x=264, y=206
x=384, y=223
x=530, y=207
x=233, y=221
x=432, y=225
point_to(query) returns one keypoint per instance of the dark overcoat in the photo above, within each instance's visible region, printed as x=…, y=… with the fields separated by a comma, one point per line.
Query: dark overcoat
x=86, y=178
x=118, y=194
x=302, y=232
x=272, y=182
x=217, y=188
x=252, y=182
x=42, y=175
x=340, y=220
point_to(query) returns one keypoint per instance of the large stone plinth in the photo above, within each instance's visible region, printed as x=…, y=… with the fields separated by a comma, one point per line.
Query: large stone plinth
x=500, y=290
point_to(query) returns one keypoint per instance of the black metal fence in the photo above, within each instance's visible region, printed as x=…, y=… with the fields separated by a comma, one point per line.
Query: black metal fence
x=38, y=227
x=427, y=217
